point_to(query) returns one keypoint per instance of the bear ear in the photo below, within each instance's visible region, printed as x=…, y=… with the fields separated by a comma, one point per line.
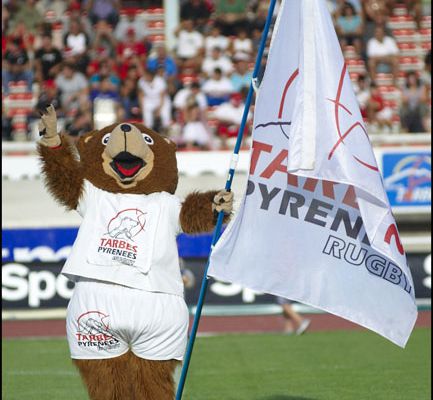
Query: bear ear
x=170, y=142
x=83, y=140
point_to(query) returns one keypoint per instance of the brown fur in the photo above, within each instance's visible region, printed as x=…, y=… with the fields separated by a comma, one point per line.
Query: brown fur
x=128, y=377
x=196, y=215
x=63, y=173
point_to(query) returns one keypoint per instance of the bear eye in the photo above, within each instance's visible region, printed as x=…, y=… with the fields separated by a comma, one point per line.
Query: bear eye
x=148, y=139
x=105, y=139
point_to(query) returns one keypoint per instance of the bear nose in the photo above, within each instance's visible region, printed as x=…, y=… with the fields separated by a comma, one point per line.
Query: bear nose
x=125, y=128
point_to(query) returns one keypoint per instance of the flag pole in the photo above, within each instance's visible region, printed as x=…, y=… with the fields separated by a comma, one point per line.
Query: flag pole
x=218, y=227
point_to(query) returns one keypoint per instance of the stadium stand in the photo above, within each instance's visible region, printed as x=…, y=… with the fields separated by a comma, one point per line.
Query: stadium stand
x=64, y=22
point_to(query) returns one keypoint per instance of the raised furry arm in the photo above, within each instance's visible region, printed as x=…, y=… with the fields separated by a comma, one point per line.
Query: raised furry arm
x=62, y=172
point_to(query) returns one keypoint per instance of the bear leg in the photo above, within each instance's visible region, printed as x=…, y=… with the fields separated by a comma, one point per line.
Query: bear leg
x=108, y=379
x=154, y=380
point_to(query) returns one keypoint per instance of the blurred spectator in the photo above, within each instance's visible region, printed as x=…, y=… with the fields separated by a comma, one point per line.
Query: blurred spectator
x=190, y=44
x=104, y=71
x=190, y=93
x=76, y=39
x=215, y=39
x=45, y=28
x=230, y=116
x=26, y=37
x=218, y=88
x=49, y=95
x=130, y=46
x=382, y=50
x=132, y=21
x=379, y=115
x=349, y=27
x=242, y=43
x=129, y=100
x=74, y=88
x=231, y=15
x=426, y=72
x=197, y=10
x=79, y=125
x=75, y=14
x=374, y=13
x=16, y=66
x=242, y=76
x=217, y=59
x=362, y=93
x=105, y=91
x=414, y=8
x=195, y=133
x=160, y=59
x=414, y=106
x=48, y=59
x=5, y=19
x=27, y=14
x=154, y=100
x=103, y=11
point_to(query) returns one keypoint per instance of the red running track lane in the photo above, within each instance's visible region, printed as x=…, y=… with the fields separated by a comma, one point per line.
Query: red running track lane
x=208, y=325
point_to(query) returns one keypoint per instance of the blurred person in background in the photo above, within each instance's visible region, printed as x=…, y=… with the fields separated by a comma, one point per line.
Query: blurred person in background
x=379, y=115
x=76, y=39
x=154, y=101
x=414, y=105
x=217, y=88
x=374, y=13
x=242, y=43
x=189, y=46
x=162, y=61
x=48, y=59
x=79, y=125
x=195, y=132
x=231, y=15
x=215, y=39
x=349, y=27
x=49, y=95
x=104, y=71
x=74, y=10
x=196, y=10
x=414, y=8
x=103, y=12
x=382, y=50
x=293, y=322
x=132, y=21
x=190, y=93
x=130, y=47
x=242, y=75
x=217, y=59
x=129, y=100
x=16, y=66
x=27, y=14
x=74, y=89
x=229, y=116
x=362, y=93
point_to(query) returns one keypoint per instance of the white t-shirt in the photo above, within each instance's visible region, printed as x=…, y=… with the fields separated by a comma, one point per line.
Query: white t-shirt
x=243, y=45
x=189, y=44
x=382, y=49
x=214, y=88
x=223, y=62
x=128, y=239
x=152, y=90
x=181, y=98
x=77, y=43
x=219, y=41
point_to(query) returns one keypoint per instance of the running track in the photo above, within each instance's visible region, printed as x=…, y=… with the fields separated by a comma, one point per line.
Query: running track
x=208, y=325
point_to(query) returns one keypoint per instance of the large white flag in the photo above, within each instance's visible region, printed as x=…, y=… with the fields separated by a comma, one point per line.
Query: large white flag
x=315, y=224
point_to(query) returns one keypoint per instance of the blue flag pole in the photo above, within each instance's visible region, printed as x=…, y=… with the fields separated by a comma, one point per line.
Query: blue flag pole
x=218, y=227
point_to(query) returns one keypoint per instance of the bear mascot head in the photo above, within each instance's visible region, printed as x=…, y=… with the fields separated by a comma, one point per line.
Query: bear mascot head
x=127, y=320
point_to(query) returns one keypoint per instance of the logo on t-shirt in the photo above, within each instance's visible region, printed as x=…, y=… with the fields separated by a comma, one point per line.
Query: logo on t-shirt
x=94, y=331
x=120, y=236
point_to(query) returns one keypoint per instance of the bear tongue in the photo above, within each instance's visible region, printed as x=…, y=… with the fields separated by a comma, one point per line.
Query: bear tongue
x=128, y=171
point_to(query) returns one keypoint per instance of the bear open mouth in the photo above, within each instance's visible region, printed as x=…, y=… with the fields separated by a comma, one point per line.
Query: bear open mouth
x=127, y=165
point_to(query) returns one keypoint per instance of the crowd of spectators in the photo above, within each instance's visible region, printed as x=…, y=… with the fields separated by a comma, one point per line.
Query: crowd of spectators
x=98, y=65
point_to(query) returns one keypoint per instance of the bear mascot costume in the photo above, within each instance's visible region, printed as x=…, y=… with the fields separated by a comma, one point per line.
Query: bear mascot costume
x=127, y=320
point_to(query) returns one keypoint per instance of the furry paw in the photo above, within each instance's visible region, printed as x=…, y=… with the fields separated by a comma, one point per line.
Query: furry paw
x=48, y=128
x=223, y=201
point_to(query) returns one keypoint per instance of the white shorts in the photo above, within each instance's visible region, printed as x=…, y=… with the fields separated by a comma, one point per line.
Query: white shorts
x=106, y=320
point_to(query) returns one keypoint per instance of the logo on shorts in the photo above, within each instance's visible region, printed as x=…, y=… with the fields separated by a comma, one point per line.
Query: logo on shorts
x=94, y=331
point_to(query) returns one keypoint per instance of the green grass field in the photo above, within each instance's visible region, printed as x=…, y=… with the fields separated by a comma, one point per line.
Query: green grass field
x=319, y=365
